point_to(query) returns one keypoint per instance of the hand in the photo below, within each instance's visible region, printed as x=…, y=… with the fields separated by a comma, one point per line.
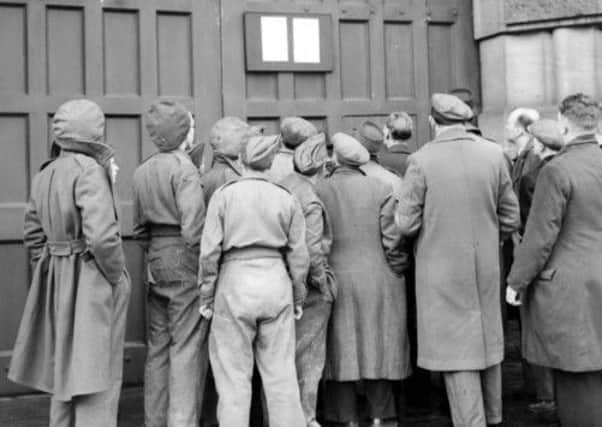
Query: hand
x=298, y=312
x=206, y=311
x=512, y=297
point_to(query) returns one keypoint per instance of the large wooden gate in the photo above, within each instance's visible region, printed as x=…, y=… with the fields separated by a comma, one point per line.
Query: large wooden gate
x=122, y=54
x=388, y=55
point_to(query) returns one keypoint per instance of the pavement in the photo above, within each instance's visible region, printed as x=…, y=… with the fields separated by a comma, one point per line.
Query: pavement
x=32, y=410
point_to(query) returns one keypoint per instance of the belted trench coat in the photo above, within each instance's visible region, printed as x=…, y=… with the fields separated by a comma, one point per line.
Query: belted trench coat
x=70, y=341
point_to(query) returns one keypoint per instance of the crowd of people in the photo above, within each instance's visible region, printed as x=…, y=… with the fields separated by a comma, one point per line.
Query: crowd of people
x=339, y=266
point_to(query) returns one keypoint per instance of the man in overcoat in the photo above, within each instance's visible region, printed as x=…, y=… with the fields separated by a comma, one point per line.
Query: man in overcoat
x=557, y=271
x=398, y=130
x=253, y=266
x=371, y=136
x=293, y=132
x=309, y=160
x=457, y=200
x=169, y=213
x=367, y=343
x=70, y=342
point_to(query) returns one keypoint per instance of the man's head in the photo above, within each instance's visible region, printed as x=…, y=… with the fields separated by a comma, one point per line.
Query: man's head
x=168, y=124
x=295, y=130
x=228, y=134
x=370, y=135
x=516, y=129
x=579, y=114
x=257, y=152
x=348, y=150
x=398, y=128
x=311, y=156
x=448, y=110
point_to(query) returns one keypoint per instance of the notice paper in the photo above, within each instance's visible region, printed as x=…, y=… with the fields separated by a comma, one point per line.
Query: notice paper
x=306, y=40
x=274, y=39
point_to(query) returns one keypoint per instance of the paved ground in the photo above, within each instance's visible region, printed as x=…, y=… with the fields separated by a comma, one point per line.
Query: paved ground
x=32, y=411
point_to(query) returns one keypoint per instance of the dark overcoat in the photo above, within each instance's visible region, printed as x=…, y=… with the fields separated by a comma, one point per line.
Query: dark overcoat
x=457, y=199
x=558, y=262
x=367, y=337
x=70, y=341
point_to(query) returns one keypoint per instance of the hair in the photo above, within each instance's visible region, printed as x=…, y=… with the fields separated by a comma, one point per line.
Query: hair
x=522, y=118
x=581, y=110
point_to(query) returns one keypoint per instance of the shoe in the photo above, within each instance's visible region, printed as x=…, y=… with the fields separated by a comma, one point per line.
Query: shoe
x=543, y=407
x=377, y=422
x=313, y=423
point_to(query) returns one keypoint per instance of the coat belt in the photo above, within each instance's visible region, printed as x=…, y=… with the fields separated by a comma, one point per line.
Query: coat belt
x=66, y=248
x=251, y=252
x=164, y=230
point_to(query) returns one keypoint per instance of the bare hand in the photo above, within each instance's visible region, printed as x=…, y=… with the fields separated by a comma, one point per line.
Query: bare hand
x=298, y=312
x=512, y=297
x=206, y=311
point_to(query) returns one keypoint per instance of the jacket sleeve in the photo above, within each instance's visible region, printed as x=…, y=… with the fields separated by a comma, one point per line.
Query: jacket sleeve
x=314, y=223
x=411, y=199
x=141, y=232
x=547, y=213
x=297, y=255
x=33, y=234
x=211, y=250
x=190, y=204
x=94, y=197
x=507, y=206
x=391, y=237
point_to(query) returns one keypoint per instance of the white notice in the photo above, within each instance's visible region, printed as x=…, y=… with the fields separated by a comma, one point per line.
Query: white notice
x=274, y=39
x=306, y=40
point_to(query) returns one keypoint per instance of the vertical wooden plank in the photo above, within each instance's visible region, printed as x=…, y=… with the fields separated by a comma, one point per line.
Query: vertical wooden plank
x=65, y=51
x=121, y=53
x=93, y=48
x=377, y=52
x=261, y=86
x=354, y=51
x=13, y=49
x=399, y=64
x=148, y=68
x=421, y=65
x=14, y=162
x=440, y=59
x=310, y=86
x=233, y=66
x=174, y=54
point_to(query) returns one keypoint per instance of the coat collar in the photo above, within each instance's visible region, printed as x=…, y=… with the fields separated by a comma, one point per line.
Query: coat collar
x=581, y=141
x=453, y=133
x=227, y=161
x=347, y=170
x=400, y=147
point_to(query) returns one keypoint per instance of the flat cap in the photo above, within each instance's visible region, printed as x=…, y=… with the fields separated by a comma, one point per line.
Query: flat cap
x=548, y=132
x=400, y=125
x=295, y=130
x=168, y=123
x=349, y=151
x=449, y=109
x=311, y=155
x=258, y=152
x=370, y=135
x=228, y=134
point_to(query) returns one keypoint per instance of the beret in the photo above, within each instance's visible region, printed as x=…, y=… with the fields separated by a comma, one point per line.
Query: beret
x=349, y=151
x=370, y=135
x=311, y=155
x=295, y=130
x=79, y=125
x=449, y=109
x=548, y=132
x=400, y=125
x=168, y=123
x=258, y=152
x=228, y=134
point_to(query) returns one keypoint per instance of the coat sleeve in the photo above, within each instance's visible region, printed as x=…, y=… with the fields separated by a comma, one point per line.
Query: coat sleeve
x=552, y=192
x=411, y=199
x=314, y=223
x=211, y=250
x=296, y=254
x=33, y=234
x=391, y=237
x=141, y=232
x=507, y=206
x=190, y=204
x=94, y=198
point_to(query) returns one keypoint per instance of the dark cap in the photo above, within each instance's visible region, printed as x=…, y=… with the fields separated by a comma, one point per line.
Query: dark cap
x=400, y=125
x=548, y=132
x=449, y=109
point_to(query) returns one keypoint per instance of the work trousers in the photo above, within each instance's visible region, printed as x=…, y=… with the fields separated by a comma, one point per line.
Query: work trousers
x=177, y=359
x=347, y=401
x=99, y=409
x=579, y=398
x=311, y=349
x=253, y=320
x=475, y=397
x=539, y=381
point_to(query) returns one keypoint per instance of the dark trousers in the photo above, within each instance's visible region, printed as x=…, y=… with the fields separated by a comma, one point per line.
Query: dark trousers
x=350, y=400
x=579, y=398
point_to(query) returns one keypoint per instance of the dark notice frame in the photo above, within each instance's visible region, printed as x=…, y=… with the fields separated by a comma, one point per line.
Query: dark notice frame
x=253, y=53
